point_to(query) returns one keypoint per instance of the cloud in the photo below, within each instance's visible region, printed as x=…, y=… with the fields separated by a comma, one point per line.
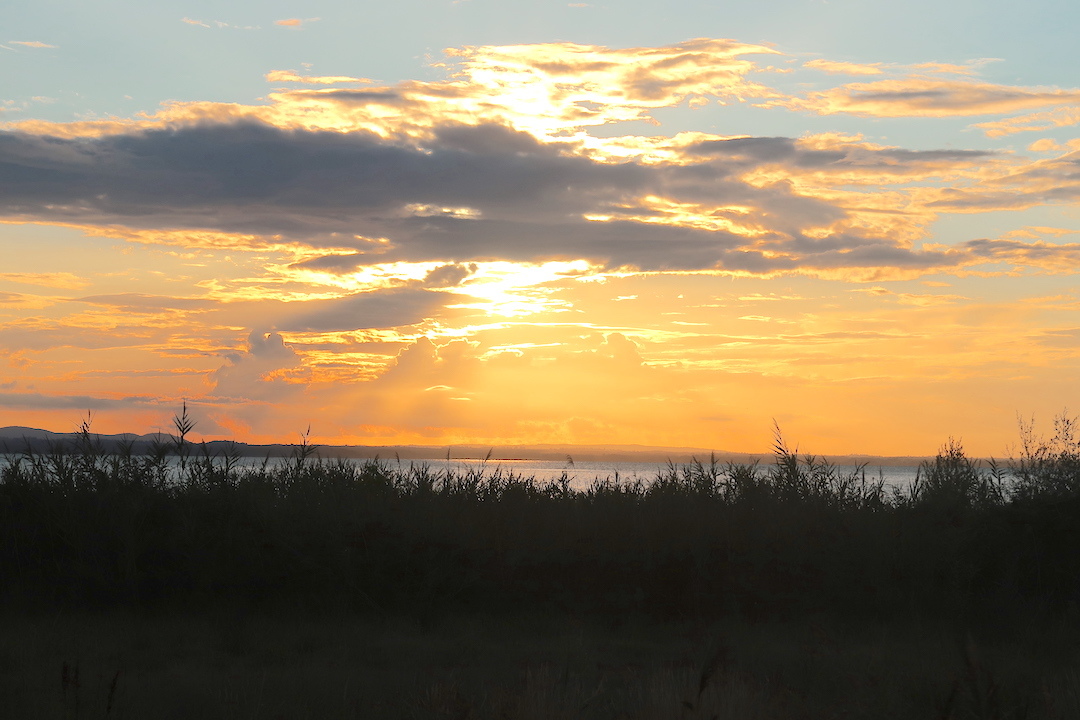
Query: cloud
x=485, y=192
x=295, y=22
x=42, y=401
x=254, y=178
x=294, y=77
x=60, y=280
x=1046, y=145
x=860, y=160
x=46, y=334
x=1044, y=181
x=31, y=43
x=492, y=165
x=373, y=309
x=503, y=252
x=449, y=275
x=1034, y=122
x=140, y=303
x=546, y=89
x=217, y=24
x=969, y=68
x=926, y=97
x=253, y=374
x=918, y=299
x=844, y=68
x=19, y=300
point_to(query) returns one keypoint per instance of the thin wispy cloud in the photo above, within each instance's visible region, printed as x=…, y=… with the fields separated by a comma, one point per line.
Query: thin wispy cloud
x=63, y=280
x=1034, y=122
x=221, y=25
x=843, y=68
x=927, y=97
x=31, y=43
x=292, y=76
x=296, y=22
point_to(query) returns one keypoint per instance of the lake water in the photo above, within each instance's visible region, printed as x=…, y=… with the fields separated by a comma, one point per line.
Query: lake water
x=583, y=473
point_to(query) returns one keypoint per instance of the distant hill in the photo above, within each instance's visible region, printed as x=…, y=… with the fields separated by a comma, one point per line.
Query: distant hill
x=20, y=439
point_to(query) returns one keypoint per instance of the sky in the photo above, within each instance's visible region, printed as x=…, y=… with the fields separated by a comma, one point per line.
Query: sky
x=444, y=222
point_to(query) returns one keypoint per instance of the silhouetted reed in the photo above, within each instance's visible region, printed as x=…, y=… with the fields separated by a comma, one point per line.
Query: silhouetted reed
x=181, y=524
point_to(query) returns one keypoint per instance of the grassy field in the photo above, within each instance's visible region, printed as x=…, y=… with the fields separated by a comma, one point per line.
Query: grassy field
x=224, y=663
x=178, y=584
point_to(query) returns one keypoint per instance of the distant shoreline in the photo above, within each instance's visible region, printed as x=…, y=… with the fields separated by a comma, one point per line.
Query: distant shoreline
x=19, y=439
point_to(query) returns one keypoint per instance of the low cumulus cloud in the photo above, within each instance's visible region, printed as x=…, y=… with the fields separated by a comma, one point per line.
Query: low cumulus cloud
x=449, y=275
x=253, y=373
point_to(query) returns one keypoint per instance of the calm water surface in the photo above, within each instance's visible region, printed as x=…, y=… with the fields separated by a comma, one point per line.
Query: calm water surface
x=583, y=473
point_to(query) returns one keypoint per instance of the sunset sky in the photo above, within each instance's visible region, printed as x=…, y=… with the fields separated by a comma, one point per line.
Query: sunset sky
x=469, y=221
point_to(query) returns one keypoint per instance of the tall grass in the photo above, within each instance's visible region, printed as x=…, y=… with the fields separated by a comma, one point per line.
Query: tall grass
x=985, y=546
x=827, y=593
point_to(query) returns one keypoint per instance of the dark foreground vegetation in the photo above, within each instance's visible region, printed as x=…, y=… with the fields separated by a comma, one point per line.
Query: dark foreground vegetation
x=180, y=584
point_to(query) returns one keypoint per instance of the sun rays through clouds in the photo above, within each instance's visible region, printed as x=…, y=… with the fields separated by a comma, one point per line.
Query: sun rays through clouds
x=554, y=242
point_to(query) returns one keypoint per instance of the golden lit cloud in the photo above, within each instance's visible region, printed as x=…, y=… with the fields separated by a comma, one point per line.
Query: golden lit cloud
x=843, y=68
x=504, y=255
x=293, y=77
x=819, y=204
x=950, y=68
x=926, y=97
x=1035, y=122
x=23, y=301
x=62, y=281
x=296, y=22
x=1046, y=145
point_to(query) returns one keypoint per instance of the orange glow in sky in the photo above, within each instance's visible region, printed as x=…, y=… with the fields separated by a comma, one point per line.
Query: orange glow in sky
x=554, y=243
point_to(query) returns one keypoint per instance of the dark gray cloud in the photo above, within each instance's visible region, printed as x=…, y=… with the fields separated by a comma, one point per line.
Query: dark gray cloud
x=527, y=198
x=39, y=401
x=378, y=96
x=375, y=309
x=449, y=275
x=470, y=193
x=233, y=171
x=754, y=151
